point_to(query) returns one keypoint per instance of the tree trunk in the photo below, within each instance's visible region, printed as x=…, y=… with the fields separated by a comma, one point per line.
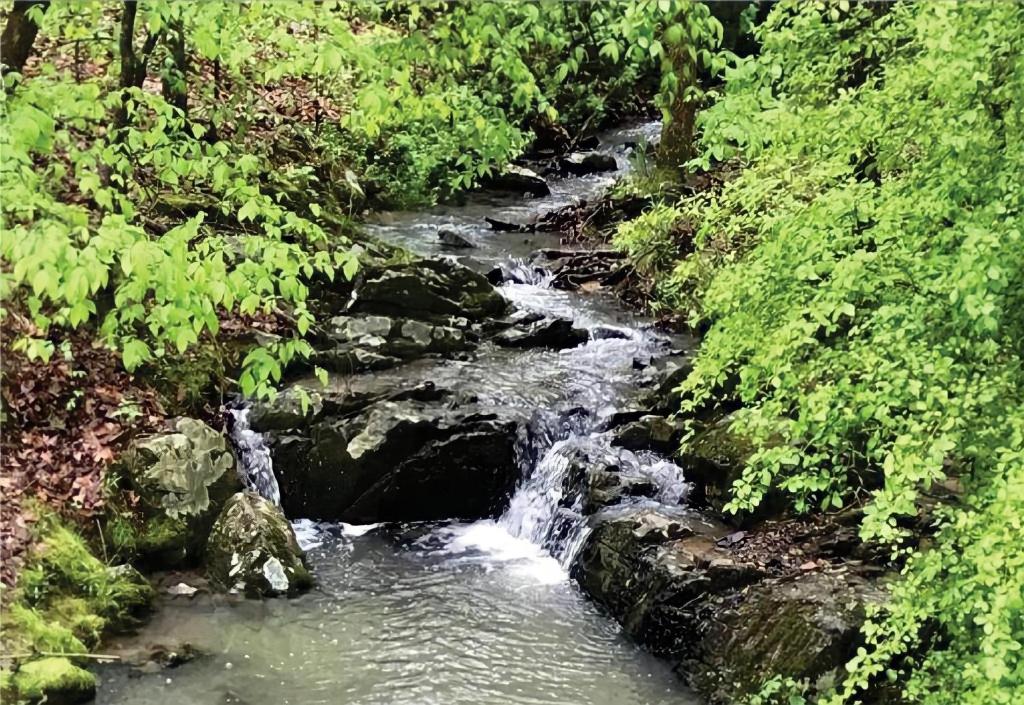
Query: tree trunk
x=19, y=35
x=133, y=66
x=175, y=81
x=676, y=147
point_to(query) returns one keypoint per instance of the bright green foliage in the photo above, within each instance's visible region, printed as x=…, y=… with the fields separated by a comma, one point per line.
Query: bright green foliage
x=682, y=38
x=651, y=241
x=295, y=112
x=79, y=194
x=863, y=279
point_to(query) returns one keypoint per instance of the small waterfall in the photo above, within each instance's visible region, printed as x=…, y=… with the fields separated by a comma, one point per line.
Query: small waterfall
x=255, y=466
x=547, y=508
x=519, y=271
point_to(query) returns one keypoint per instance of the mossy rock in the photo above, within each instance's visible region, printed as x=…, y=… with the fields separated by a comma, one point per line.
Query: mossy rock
x=714, y=460
x=53, y=680
x=253, y=550
x=183, y=479
x=805, y=628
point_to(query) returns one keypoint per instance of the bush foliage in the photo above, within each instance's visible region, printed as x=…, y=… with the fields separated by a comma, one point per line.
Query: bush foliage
x=863, y=284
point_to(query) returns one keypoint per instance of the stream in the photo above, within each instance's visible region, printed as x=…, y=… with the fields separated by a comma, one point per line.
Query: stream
x=451, y=613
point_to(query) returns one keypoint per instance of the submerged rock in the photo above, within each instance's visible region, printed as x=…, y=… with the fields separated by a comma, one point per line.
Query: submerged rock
x=182, y=479
x=253, y=549
x=450, y=237
x=399, y=459
x=53, y=680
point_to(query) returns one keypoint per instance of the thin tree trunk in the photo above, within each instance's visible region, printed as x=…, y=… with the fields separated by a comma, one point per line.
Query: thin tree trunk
x=175, y=82
x=19, y=35
x=133, y=66
x=676, y=147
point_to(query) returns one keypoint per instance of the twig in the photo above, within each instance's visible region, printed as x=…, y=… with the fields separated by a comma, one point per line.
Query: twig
x=30, y=654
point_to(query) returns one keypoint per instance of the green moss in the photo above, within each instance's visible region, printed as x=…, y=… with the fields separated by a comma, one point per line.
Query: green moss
x=54, y=678
x=130, y=536
x=75, y=613
x=62, y=564
x=66, y=597
x=26, y=629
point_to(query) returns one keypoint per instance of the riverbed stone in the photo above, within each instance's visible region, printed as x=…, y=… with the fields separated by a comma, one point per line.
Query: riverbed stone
x=434, y=290
x=603, y=488
x=662, y=378
x=545, y=332
x=650, y=432
x=252, y=549
x=518, y=180
x=361, y=343
x=399, y=459
x=182, y=478
x=581, y=164
x=450, y=237
x=292, y=407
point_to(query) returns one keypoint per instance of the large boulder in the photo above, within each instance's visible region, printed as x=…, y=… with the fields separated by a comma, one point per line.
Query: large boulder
x=714, y=459
x=435, y=290
x=182, y=479
x=804, y=627
x=377, y=342
x=405, y=458
x=252, y=549
x=651, y=568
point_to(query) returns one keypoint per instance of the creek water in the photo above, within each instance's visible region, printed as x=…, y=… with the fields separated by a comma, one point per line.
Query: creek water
x=450, y=613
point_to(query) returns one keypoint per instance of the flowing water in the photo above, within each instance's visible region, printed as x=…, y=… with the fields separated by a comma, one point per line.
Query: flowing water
x=449, y=613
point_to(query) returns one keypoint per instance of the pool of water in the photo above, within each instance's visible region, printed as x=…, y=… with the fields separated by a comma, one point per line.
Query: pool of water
x=441, y=615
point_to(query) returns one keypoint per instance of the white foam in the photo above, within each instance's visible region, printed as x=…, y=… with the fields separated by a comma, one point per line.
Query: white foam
x=357, y=529
x=307, y=532
x=490, y=544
